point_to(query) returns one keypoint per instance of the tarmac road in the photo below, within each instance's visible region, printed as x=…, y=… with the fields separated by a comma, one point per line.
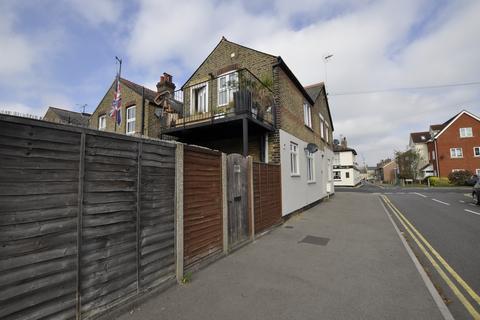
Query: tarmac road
x=450, y=224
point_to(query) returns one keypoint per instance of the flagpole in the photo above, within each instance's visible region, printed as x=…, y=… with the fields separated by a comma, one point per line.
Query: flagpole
x=118, y=80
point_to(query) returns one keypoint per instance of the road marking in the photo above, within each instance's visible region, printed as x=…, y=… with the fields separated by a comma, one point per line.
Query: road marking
x=407, y=225
x=474, y=212
x=447, y=315
x=461, y=201
x=472, y=204
x=447, y=204
x=419, y=194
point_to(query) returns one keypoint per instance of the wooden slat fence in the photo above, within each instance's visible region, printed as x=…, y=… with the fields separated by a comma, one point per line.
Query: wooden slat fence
x=86, y=219
x=267, y=195
x=202, y=208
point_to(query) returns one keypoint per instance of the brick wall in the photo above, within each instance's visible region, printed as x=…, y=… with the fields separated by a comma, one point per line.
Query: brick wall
x=451, y=139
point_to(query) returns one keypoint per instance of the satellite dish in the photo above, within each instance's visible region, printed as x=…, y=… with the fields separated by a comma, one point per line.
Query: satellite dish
x=312, y=148
x=336, y=142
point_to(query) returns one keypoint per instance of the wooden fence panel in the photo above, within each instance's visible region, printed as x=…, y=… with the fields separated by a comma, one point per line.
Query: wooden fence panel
x=38, y=221
x=203, y=222
x=108, y=259
x=86, y=219
x=157, y=224
x=267, y=195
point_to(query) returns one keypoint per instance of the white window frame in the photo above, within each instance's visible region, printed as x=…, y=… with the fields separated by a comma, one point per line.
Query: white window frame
x=102, y=122
x=130, y=120
x=327, y=134
x=455, y=154
x=193, y=98
x=322, y=126
x=266, y=148
x=307, y=114
x=475, y=153
x=228, y=89
x=310, y=167
x=294, y=163
x=339, y=177
x=477, y=172
x=466, y=132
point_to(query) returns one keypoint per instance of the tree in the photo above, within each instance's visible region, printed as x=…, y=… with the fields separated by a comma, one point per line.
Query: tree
x=407, y=162
x=459, y=177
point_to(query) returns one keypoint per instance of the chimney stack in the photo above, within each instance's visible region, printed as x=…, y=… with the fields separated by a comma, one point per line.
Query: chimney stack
x=344, y=143
x=165, y=84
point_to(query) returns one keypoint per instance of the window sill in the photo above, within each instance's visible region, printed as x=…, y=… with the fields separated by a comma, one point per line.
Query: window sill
x=309, y=128
x=311, y=182
x=295, y=175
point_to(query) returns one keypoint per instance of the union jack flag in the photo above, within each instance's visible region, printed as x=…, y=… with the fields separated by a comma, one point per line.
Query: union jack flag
x=115, y=111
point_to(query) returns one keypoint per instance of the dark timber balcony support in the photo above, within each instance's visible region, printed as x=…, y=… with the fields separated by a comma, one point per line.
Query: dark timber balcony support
x=245, y=136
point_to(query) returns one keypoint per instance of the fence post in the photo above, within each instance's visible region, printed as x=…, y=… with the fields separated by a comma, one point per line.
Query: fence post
x=251, y=203
x=224, y=204
x=81, y=176
x=179, y=152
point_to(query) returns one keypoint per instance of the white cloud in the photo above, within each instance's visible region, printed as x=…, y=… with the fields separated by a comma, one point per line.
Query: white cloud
x=98, y=12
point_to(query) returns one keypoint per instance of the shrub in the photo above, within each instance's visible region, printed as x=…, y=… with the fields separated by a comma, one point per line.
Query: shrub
x=439, y=182
x=459, y=178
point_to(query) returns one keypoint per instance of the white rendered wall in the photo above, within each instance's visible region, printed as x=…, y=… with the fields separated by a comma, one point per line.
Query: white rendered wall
x=297, y=192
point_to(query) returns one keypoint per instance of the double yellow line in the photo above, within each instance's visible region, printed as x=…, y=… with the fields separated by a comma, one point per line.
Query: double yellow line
x=422, y=243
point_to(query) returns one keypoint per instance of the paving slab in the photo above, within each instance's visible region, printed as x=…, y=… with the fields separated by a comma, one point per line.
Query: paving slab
x=341, y=259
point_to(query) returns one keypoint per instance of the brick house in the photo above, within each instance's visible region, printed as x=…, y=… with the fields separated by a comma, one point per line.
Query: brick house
x=386, y=171
x=141, y=108
x=455, y=145
x=59, y=115
x=240, y=100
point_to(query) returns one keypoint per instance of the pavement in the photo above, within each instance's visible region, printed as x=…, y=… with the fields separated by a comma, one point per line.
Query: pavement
x=358, y=268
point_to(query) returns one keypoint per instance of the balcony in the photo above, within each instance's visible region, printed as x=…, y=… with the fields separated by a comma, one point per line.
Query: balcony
x=220, y=100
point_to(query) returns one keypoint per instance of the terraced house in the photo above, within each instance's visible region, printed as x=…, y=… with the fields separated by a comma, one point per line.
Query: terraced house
x=240, y=100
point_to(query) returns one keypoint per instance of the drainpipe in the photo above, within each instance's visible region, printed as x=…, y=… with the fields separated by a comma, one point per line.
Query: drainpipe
x=436, y=158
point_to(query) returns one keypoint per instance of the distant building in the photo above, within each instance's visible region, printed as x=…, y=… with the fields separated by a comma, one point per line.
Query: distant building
x=345, y=167
x=67, y=117
x=418, y=142
x=387, y=171
x=451, y=146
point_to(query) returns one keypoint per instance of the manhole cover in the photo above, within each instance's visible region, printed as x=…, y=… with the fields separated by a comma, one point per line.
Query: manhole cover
x=319, y=241
x=288, y=227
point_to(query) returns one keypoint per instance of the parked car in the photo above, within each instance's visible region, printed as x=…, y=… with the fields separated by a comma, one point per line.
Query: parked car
x=476, y=193
x=472, y=180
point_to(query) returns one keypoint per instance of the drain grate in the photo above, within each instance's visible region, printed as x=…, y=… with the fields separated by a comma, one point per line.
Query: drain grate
x=319, y=241
x=288, y=227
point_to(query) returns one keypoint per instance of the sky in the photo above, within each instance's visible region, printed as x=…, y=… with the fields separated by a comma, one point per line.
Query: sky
x=62, y=53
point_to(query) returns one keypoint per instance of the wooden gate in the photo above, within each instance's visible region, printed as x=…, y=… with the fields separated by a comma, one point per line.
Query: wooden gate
x=203, y=222
x=237, y=196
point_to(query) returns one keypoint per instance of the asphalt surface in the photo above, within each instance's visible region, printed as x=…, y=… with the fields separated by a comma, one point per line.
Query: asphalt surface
x=450, y=222
x=359, y=270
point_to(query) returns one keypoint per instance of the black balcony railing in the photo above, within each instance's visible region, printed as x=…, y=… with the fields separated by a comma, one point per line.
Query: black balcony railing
x=236, y=93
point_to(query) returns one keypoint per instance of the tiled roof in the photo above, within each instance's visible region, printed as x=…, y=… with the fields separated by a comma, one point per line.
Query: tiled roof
x=314, y=90
x=339, y=148
x=437, y=127
x=67, y=116
x=420, y=137
x=149, y=94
